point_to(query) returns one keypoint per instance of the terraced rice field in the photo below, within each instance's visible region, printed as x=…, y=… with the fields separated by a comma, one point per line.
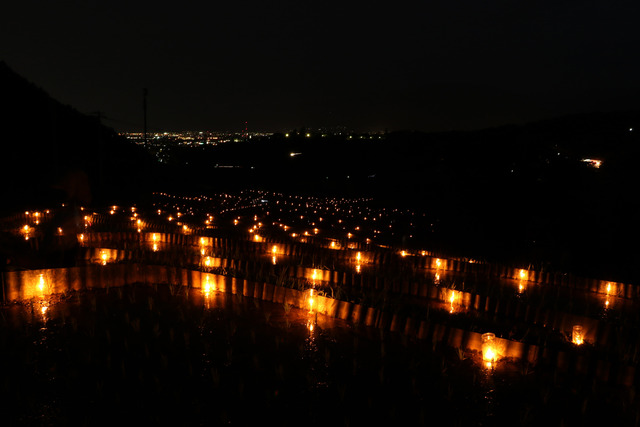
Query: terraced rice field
x=200, y=323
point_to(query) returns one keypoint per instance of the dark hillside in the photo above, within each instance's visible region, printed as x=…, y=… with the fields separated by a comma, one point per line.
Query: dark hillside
x=50, y=152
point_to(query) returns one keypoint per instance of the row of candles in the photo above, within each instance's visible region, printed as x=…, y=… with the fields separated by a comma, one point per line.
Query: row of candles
x=489, y=351
x=359, y=259
x=27, y=231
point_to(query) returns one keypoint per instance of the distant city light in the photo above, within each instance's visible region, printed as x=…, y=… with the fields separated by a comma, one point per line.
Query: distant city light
x=593, y=162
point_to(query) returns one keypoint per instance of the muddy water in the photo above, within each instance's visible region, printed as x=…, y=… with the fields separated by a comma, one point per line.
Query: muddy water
x=174, y=356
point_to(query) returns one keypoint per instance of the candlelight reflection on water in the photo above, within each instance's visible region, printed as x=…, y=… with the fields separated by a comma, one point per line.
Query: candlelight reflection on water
x=41, y=284
x=311, y=300
x=26, y=230
x=452, y=299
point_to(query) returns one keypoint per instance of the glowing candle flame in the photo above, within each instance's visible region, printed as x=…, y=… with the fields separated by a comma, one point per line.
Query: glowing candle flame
x=523, y=274
x=438, y=263
x=206, y=288
x=41, y=283
x=608, y=288
x=311, y=301
x=577, y=336
x=358, y=268
x=452, y=298
x=155, y=247
x=104, y=258
x=489, y=354
x=489, y=358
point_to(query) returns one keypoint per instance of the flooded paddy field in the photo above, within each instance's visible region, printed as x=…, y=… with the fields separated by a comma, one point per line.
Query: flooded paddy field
x=253, y=314
x=164, y=355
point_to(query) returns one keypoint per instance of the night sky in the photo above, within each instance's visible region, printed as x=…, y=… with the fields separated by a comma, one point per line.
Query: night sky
x=442, y=65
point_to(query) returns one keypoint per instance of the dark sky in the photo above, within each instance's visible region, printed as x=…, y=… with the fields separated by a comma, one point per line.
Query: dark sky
x=429, y=65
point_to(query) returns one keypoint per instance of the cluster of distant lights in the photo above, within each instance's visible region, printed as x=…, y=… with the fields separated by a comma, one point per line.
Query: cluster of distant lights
x=301, y=216
x=307, y=216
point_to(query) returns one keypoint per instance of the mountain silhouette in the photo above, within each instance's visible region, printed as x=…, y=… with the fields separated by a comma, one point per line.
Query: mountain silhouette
x=51, y=153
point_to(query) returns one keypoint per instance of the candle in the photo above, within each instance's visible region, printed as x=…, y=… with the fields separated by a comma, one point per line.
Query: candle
x=578, y=335
x=489, y=349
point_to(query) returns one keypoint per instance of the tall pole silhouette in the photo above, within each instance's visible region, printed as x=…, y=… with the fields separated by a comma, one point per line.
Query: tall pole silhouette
x=145, y=92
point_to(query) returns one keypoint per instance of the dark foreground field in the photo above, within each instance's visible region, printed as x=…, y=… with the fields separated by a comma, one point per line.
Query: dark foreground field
x=173, y=356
